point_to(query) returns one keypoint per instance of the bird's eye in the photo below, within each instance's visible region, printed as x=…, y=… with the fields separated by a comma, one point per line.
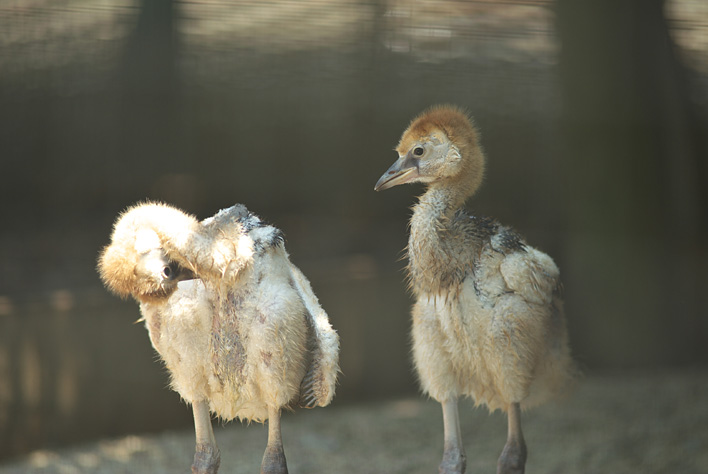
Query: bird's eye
x=167, y=272
x=418, y=151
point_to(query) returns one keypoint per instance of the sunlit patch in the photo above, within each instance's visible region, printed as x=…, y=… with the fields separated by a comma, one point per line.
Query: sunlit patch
x=31, y=370
x=688, y=21
x=145, y=240
x=6, y=307
x=62, y=300
x=88, y=460
x=124, y=449
x=43, y=459
x=408, y=408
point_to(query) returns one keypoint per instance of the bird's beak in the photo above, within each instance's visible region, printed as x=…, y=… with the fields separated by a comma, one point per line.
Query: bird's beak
x=184, y=274
x=404, y=170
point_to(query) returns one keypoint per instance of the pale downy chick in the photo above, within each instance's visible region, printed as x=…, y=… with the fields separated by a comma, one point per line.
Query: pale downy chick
x=488, y=319
x=244, y=337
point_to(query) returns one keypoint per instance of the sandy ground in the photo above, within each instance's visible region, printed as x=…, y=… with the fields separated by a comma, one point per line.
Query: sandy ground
x=618, y=423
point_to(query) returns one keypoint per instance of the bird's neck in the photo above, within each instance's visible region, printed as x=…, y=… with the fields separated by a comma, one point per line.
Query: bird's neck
x=430, y=247
x=437, y=206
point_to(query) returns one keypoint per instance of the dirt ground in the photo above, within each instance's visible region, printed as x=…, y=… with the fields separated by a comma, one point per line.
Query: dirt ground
x=618, y=423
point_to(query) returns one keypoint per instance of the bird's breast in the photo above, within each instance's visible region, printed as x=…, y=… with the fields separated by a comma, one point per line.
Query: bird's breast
x=438, y=268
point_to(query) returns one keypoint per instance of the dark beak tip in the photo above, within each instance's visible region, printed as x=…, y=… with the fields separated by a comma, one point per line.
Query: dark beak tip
x=186, y=274
x=381, y=184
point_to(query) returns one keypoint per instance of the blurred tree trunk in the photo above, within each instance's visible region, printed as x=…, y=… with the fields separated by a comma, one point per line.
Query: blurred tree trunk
x=148, y=96
x=635, y=156
x=149, y=66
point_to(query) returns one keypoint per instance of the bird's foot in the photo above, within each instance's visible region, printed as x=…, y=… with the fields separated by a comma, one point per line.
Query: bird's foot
x=274, y=461
x=454, y=461
x=206, y=459
x=513, y=458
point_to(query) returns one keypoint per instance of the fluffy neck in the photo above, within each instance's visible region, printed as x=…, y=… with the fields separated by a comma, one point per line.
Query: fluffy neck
x=437, y=206
x=435, y=249
x=439, y=203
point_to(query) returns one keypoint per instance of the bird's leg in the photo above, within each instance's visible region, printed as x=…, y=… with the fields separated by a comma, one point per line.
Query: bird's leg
x=454, y=460
x=513, y=456
x=206, y=455
x=274, y=456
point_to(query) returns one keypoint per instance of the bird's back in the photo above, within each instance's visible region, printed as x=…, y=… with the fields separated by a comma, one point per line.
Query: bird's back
x=270, y=336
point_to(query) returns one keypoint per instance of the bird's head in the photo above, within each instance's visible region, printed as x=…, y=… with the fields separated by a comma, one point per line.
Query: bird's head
x=440, y=146
x=134, y=263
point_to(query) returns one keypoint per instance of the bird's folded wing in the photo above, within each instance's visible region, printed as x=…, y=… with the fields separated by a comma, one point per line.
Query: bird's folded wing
x=531, y=274
x=318, y=385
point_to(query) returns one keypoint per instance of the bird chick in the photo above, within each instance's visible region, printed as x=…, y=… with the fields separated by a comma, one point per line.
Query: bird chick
x=237, y=325
x=488, y=320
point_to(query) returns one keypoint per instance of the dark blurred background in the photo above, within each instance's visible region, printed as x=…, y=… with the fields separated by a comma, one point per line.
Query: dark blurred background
x=593, y=115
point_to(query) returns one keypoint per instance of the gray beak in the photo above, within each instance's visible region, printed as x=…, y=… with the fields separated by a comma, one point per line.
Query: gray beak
x=180, y=273
x=404, y=170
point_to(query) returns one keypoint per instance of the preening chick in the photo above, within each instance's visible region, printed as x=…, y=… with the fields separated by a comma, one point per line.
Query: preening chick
x=236, y=323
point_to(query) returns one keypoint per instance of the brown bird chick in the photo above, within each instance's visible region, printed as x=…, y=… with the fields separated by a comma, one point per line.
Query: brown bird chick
x=488, y=318
x=244, y=338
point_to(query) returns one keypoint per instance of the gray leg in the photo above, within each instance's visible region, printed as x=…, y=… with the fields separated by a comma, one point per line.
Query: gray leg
x=513, y=457
x=206, y=455
x=274, y=456
x=454, y=460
